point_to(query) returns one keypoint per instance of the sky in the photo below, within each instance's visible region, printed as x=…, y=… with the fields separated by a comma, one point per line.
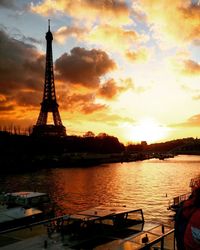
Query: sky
x=127, y=68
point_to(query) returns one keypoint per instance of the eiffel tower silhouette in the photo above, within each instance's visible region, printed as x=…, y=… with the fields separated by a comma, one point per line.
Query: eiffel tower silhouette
x=49, y=103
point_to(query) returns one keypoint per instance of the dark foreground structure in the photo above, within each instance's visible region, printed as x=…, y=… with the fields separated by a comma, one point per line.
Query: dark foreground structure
x=49, y=103
x=97, y=228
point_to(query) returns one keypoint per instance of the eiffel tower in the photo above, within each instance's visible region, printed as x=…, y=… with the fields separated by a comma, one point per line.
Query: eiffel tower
x=49, y=103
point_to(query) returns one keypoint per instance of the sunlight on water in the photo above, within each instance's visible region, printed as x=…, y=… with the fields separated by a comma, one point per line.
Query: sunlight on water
x=145, y=184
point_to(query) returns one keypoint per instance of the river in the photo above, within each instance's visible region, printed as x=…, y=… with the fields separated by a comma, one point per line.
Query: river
x=148, y=184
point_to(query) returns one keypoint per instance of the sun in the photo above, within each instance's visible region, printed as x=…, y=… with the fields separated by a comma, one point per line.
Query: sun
x=148, y=130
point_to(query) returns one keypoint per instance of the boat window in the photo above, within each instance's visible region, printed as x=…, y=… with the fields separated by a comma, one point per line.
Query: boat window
x=45, y=198
x=21, y=201
x=108, y=222
x=135, y=216
x=11, y=199
x=35, y=201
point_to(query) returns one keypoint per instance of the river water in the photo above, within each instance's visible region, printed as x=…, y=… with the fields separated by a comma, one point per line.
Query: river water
x=148, y=184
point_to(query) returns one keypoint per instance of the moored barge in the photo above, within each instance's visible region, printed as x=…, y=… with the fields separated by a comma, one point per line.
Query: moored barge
x=99, y=228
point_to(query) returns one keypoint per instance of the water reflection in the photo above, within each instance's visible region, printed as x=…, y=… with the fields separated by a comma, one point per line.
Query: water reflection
x=136, y=184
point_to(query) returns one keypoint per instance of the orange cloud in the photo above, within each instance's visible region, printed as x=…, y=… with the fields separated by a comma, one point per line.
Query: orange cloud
x=62, y=33
x=191, y=67
x=110, y=89
x=106, y=11
x=93, y=107
x=112, y=119
x=82, y=103
x=193, y=121
x=83, y=67
x=137, y=56
x=114, y=38
x=174, y=20
x=185, y=66
x=103, y=22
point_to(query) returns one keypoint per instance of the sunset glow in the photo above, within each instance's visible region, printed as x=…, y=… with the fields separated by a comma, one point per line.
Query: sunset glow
x=128, y=68
x=148, y=130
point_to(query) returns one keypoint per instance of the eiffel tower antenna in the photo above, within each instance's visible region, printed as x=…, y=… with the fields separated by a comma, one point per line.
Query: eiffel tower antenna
x=49, y=103
x=49, y=24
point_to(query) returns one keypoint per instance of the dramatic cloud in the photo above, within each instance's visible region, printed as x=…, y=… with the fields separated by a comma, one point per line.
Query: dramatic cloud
x=105, y=25
x=17, y=6
x=5, y=105
x=83, y=67
x=137, y=56
x=10, y=4
x=185, y=66
x=191, y=68
x=193, y=121
x=28, y=98
x=84, y=103
x=113, y=119
x=105, y=11
x=110, y=89
x=114, y=38
x=93, y=107
x=175, y=20
x=21, y=69
x=62, y=33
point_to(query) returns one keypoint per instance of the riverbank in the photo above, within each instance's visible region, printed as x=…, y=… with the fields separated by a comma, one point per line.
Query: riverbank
x=20, y=153
x=25, y=163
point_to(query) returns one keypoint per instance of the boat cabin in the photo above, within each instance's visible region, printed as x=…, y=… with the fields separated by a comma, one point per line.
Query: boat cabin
x=24, y=199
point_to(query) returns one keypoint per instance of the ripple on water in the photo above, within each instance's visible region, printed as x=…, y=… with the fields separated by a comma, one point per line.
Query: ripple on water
x=147, y=184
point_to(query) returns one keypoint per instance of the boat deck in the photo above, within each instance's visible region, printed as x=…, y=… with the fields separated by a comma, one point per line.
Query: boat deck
x=99, y=228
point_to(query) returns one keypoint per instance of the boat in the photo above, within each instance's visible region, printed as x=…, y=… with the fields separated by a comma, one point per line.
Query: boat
x=21, y=208
x=99, y=228
x=113, y=228
x=176, y=202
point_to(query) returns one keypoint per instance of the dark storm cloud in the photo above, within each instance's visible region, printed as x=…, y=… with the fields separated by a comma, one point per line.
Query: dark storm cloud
x=14, y=5
x=28, y=98
x=21, y=66
x=84, y=67
x=10, y=4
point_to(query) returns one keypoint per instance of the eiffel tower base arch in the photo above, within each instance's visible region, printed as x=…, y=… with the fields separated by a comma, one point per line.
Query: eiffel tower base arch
x=49, y=130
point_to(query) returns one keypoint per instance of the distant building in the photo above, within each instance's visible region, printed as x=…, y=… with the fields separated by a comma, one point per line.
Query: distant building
x=144, y=143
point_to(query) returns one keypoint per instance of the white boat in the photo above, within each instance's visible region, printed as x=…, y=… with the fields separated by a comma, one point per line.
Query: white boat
x=20, y=208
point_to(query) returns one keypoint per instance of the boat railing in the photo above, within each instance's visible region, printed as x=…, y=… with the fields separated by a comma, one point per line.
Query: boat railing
x=176, y=201
x=195, y=183
x=102, y=220
x=54, y=223
x=164, y=242
x=142, y=235
x=157, y=237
